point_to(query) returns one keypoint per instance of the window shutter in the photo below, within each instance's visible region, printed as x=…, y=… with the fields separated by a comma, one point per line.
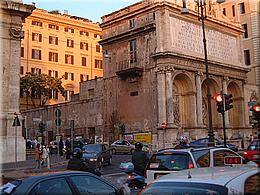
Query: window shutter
x=56, y=74
x=66, y=75
x=56, y=40
x=40, y=37
x=72, y=76
x=50, y=72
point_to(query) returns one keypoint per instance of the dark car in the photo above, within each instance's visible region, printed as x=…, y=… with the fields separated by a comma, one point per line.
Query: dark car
x=79, y=143
x=97, y=155
x=253, y=152
x=65, y=183
x=204, y=142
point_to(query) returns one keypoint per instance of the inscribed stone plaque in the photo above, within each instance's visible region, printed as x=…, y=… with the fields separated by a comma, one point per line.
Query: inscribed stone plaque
x=187, y=37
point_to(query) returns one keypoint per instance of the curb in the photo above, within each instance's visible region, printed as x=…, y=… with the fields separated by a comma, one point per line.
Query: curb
x=31, y=167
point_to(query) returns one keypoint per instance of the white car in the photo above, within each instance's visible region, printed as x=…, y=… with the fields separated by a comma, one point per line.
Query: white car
x=241, y=179
x=172, y=160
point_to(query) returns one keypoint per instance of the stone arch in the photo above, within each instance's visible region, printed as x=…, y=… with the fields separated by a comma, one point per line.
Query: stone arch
x=236, y=119
x=183, y=91
x=214, y=89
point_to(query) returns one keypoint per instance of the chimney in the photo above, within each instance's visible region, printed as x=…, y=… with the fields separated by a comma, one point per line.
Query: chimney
x=66, y=12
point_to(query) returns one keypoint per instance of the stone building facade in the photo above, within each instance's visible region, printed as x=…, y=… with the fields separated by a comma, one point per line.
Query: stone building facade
x=85, y=109
x=11, y=15
x=154, y=71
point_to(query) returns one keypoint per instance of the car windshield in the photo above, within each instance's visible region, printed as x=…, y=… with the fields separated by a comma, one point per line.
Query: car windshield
x=170, y=188
x=168, y=161
x=92, y=148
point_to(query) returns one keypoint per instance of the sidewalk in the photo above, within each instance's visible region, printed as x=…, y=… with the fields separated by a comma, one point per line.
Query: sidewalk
x=11, y=171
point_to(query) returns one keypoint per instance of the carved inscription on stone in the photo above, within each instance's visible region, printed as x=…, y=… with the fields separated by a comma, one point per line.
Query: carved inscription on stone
x=187, y=36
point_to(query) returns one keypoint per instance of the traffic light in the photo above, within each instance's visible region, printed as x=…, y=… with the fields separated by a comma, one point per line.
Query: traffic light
x=219, y=103
x=256, y=112
x=228, y=101
x=41, y=127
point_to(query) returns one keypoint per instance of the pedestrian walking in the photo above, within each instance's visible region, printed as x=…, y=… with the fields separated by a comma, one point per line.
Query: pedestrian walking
x=68, y=148
x=45, y=156
x=38, y=156
x=61, y=146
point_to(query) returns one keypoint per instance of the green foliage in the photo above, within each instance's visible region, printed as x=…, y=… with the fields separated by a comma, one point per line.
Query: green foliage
x=40, y=86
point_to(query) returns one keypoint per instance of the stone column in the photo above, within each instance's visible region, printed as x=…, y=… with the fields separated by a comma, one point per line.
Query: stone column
x=161, y=97
x=199, y=99
x=12, y=13
x=224, y=83
x=169, y=98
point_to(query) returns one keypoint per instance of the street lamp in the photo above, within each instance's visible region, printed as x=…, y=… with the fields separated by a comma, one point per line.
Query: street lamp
x=202, y=15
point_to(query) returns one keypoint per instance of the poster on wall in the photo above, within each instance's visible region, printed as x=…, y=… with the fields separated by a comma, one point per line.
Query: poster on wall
x=145, y=138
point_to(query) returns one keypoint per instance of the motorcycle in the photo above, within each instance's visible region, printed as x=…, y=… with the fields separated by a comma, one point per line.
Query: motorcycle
x=134, y=181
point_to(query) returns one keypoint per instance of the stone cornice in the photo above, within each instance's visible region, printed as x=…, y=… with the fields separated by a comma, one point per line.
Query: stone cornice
x=23, y=10
x=190, y=63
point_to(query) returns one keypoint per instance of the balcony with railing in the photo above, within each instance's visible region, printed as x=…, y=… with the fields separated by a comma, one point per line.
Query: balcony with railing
x=129, y=68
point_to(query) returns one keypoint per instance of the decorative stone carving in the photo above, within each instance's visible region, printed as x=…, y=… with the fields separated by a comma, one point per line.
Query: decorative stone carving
x=176, y=108
x=16, y=33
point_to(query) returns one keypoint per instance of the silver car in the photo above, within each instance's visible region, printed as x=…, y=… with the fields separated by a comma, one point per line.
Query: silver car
x=122, y=146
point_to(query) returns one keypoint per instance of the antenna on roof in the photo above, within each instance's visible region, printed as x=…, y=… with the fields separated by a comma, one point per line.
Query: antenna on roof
x=189, y=175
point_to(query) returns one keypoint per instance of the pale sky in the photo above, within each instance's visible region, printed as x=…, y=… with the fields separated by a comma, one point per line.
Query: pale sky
x=91, y=9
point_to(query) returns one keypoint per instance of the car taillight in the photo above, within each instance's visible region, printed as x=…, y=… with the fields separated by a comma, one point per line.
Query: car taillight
x=191, y=166
x=245, y=153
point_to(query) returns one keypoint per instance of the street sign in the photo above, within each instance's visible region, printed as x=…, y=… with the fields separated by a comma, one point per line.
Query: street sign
x=58, y=122
x=164, y=125
x=57, y=112
x=37, y=119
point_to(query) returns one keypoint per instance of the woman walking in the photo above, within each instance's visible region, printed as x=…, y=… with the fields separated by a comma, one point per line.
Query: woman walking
x=38, y=156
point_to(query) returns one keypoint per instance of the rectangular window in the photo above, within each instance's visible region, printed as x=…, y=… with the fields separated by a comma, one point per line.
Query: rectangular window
x=83, y=45
x=21, y=70
x=36, y=23
x=84, y=33
x=247, y=57
x=53, y=40
x=53, y=57
x=37, y=37
x=70, y=43
x=36, y=70
x=133, y=51
x=36, y=54
x=98, y=64
x=97, y=36
x=22, y=52
x=84, y=61
x=70, y=30
x=245, y=34
x=242, y=8
x=134, y=93
x=53, y=94
x=233, y=11
x=132, y=23
x=69, y=59
x=83, y=77
x=53, y=73
x=53, y=26
x=97, y=48
x=224, y=11
x=91, y=92
x=69, y=75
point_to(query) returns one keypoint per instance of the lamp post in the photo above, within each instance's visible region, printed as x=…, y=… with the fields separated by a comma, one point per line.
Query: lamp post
x=202, y=15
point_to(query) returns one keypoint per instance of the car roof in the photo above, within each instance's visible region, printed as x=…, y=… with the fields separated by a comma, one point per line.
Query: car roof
x=210, y=175
x=190, y=149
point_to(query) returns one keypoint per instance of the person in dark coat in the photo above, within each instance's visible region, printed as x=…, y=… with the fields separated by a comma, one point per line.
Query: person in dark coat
x=61, y=146
x=139, y=159
x=68, y=148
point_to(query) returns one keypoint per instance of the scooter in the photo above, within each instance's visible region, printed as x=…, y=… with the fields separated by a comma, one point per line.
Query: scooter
x=134, y=181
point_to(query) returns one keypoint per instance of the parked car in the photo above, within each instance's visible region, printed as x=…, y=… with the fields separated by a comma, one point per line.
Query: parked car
x=97, y=155
x=212, y=180
x=253, y=152
x=171, y=160
x=204, y=142
x=66, y=183
x=122, y=146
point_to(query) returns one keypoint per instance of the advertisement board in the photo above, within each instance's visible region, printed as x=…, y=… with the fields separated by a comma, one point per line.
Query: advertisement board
x=145, y=138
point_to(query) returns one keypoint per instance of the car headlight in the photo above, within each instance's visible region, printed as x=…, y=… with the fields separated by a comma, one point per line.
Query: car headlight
x=93, y=159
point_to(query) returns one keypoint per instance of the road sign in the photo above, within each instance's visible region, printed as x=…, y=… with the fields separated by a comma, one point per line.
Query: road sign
x=58, y=122
x=164, y=125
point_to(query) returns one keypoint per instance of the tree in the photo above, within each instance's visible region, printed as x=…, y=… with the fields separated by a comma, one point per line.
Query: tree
x=40, y=87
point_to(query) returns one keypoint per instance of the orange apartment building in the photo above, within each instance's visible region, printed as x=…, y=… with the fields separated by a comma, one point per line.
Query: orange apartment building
x=61, y=46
